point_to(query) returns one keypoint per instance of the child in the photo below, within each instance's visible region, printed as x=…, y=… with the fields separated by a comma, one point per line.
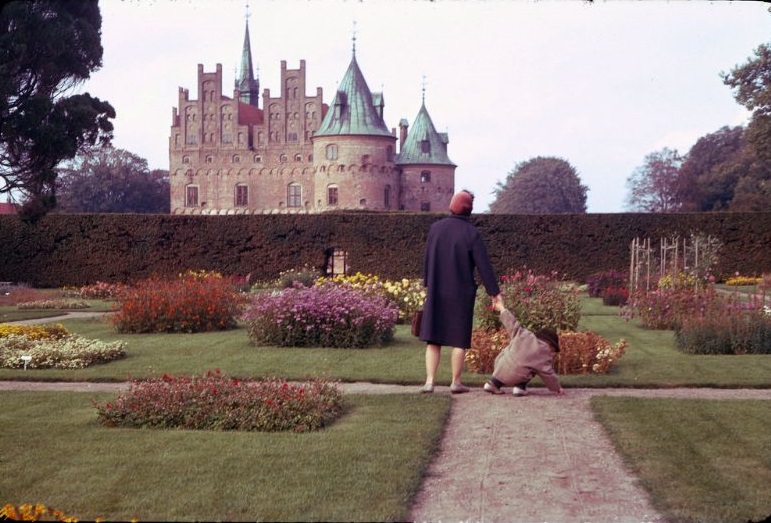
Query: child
x=527, y=355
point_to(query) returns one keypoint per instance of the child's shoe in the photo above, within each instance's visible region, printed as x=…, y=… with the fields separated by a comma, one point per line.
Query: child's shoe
x=517, y=391
x=491, y=388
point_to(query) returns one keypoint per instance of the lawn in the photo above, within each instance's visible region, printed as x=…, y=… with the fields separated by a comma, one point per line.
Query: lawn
x=700, y=460
x=366, y=467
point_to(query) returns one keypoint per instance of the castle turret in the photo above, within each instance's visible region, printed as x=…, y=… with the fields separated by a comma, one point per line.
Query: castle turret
x=428, y=174
x=353, y=150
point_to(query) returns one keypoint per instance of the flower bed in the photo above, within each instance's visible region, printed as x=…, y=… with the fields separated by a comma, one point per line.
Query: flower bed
x=327, y=315
x=216, y=402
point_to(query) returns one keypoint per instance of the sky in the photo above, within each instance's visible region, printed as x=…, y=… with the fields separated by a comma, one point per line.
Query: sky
x=598, y=84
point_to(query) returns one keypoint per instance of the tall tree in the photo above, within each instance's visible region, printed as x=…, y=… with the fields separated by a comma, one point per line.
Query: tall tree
x=542, y=185
x=47, y=47
x=711, y=169
x=751, y=83
x=106, y=180
x=653, y=185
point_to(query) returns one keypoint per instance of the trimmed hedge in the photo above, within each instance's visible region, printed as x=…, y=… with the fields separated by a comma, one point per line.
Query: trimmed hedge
x=81, y=249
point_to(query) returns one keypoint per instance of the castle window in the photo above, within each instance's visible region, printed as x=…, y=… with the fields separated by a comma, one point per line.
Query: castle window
x=191, y=196
x=331, y=152
x=191, y=139
x=425, y=206
x=298, y=157
x=425, y=176
x=425, y=146
x=291, y=137
x=387, y=197
x=390, y=153
x=185, y=159
x=363, y=202
x=257, y=158
x=282, y=158
x=209, y=159
x=365, y=159
x=294, y=195
x=227, y=138
x=242, y=195
x=236, y=158
x=332, y=195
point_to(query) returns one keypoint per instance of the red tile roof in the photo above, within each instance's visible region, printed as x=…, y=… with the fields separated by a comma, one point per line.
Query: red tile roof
x=8, y=208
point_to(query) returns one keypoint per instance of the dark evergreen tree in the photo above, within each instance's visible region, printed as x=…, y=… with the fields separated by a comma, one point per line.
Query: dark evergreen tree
x=46, y=48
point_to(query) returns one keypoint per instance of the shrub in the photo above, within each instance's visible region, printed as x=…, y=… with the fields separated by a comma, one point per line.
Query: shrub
x=665, y=308
x=726, y=330
x=321, y=316
x=34, y=332
x=740, y=281
x=100, y=291
x=190, y=303
x=615, y=296
x=765, y=282
x=580, y=352
x=408, y=295
x=67, y=352
x=305, y=276
x=30, y=512
x=587, y=353
x=599, y=281
x=486, y=344
x=53, y=304
x=216, y=402
x=538, y=301
x=678, y=281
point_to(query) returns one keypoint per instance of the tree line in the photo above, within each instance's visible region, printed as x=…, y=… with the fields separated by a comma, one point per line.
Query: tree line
x=727, y=170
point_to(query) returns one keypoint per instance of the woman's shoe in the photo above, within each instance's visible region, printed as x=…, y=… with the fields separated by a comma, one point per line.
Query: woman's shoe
x=427, y=388
x=457, y=388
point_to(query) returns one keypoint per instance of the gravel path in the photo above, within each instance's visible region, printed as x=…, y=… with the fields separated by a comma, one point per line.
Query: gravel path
x=541, y=458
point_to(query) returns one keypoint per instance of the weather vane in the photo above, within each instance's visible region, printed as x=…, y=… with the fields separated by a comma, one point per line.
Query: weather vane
x=354, y=38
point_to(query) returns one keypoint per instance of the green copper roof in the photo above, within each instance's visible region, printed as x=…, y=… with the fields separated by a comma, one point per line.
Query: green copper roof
x=423, y=144
x=353, y=110
x=246, y=83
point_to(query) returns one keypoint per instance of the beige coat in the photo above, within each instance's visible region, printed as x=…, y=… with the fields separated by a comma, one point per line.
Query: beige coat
x=525, y=357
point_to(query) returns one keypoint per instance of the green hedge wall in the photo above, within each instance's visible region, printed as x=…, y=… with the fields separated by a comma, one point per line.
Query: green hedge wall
x=80, y=249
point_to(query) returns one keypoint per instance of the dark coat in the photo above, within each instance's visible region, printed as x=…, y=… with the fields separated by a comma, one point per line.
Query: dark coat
x=454, y=250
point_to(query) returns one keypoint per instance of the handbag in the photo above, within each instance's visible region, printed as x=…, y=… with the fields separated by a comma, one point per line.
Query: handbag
x=417, y=318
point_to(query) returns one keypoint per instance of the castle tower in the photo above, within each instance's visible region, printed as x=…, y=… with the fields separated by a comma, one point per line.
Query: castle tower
x=353, y=150
x=428, y=174
x=247, y=86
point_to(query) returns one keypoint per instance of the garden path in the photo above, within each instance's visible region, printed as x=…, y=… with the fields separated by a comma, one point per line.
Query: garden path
x=508, y=459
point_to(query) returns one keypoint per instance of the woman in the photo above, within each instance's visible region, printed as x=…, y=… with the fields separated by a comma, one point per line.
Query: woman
x=454, y=250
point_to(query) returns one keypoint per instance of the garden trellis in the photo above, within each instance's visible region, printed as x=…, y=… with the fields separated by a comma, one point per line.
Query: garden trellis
x=694, y=255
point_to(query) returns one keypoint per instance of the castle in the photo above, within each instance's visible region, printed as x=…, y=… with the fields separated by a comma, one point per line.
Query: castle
x=294, y=153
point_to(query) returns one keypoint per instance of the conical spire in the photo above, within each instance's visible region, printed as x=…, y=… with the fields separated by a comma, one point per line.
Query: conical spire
x=247, y=86
x=353, y=111
x=423, y=143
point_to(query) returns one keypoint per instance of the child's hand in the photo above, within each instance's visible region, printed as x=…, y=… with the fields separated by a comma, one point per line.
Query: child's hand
x=498, y=303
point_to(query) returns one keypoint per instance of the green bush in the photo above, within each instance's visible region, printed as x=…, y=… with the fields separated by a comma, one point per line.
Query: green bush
x=538, y=301
x=726, y=331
